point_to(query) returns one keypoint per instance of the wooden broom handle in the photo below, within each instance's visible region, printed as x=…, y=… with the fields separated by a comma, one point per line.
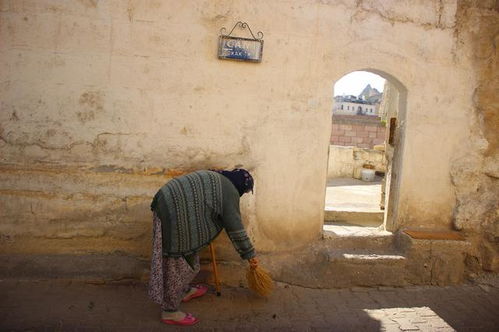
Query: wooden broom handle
x=215, y=270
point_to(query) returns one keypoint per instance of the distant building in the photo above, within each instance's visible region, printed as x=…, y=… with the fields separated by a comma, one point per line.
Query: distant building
x=367, y=103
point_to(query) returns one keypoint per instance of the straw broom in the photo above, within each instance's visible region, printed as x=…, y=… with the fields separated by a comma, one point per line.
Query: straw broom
x=259, y=279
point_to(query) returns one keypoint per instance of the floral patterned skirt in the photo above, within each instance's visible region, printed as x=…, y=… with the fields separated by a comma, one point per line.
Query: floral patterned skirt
x=170, y=276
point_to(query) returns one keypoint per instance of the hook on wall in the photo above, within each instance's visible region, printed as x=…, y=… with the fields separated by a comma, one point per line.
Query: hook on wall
x=242, y=25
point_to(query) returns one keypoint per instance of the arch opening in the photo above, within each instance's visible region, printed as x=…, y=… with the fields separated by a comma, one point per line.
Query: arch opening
x=365, y=150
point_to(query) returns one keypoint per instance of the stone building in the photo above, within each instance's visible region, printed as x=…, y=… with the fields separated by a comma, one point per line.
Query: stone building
x=351, y=105
x=103, y=101
x=366, y=103
x=356, y=120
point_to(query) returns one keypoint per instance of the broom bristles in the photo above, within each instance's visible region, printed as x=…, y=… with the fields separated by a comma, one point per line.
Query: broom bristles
x=259, y=281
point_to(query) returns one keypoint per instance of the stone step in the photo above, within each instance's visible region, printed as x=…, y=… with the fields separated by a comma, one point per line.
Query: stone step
x=354, y=217
x=365, y=268
x=366, y=257
x=346, y=236
x=435, y=256
x=325, y=267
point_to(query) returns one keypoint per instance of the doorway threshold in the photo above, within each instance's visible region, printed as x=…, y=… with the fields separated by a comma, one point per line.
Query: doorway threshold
x=348, y=238
x=352, y=230
x=354, y=218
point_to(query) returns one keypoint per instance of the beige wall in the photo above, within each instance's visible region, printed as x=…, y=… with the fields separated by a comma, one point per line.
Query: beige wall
x=340, y=163
x=347, y=161
x=98, y=95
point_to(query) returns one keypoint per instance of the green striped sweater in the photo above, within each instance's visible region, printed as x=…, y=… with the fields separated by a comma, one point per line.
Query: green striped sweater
x=194, y=208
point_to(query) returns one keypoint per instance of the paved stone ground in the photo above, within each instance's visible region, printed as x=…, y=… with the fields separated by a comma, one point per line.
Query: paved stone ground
x=347, y=194
x=77, y=306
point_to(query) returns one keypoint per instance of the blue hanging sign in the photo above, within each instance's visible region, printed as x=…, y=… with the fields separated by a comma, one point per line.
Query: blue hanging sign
x=239, y=48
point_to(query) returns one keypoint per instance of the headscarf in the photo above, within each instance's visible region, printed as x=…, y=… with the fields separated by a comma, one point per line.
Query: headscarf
x=240, y=178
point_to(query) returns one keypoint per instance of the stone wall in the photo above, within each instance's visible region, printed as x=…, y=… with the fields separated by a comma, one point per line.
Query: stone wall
x=357, y=130
x=347, y=161
x=103, y=101
x=475, y=167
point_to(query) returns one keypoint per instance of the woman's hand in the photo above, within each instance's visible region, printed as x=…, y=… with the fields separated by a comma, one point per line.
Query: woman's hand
x=253, y=262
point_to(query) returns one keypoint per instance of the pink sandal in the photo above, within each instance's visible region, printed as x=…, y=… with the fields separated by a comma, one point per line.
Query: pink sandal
x=186, y=321
x=200, y=291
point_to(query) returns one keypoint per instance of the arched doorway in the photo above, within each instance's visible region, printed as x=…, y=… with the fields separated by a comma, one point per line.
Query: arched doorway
x=389, y=113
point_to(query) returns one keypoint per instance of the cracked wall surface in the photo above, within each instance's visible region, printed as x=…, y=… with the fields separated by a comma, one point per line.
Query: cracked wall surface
x=103, y=101
x=475, y=170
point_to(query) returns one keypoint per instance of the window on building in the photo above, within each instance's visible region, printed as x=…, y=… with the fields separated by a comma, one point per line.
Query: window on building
x=341, y=106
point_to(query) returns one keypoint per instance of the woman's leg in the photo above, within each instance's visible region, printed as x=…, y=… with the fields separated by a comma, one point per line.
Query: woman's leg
x=170, y=277
x=155, y=288
x=177, y=275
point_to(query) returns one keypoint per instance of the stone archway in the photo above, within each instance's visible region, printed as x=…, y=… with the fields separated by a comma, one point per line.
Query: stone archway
x=395, y=103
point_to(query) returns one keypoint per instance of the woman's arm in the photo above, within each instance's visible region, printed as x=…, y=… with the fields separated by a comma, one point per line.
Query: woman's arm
x=231, y=219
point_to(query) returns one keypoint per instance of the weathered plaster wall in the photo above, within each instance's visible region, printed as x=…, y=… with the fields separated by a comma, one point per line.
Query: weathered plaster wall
x=347, y=161
x=475, y=167
x=419, y=55
x=102, y=101
x=340, y=163
x=390, y=106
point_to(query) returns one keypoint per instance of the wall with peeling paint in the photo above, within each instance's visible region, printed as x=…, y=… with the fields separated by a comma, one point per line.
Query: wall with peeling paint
x=104, y=101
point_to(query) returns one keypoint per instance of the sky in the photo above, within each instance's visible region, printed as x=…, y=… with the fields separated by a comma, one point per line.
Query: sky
x=354, y=82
